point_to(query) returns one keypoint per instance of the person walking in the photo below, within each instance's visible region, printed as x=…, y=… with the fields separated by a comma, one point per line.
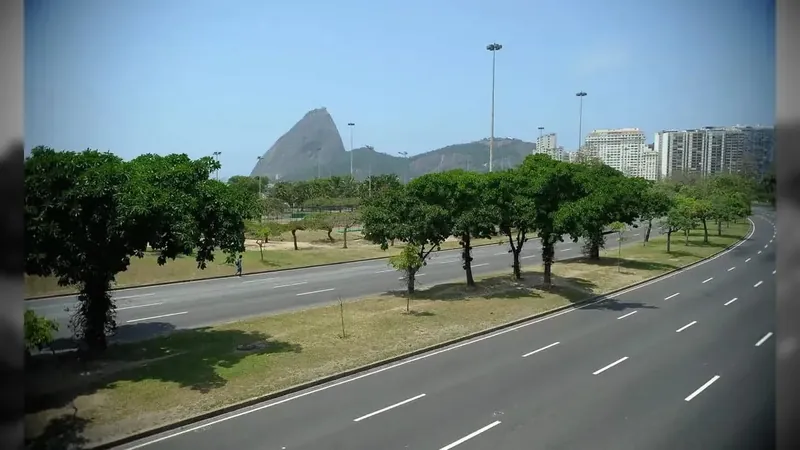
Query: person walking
x=239, y=266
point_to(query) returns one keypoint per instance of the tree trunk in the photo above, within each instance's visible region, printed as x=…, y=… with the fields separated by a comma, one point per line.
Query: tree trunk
x=686, y=234
x=330, y=238
x=548, y=254
x=391, y=243
x=344, y=237
x=705, y=231
x=669, y=239
x=294, y=239
x=261, y=249
x=594, y=246
x=719, y=228
x=95, y=315
x=410, y=278
x=466, y=258
x=647, y=231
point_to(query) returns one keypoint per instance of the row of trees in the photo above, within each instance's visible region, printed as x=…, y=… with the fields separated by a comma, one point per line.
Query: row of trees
x=88, y=213
x=543, y=198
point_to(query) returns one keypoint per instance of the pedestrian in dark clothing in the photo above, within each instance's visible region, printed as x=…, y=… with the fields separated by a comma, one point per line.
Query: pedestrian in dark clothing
x=239, y=266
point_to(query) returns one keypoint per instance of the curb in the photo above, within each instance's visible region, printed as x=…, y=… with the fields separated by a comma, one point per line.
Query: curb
x=366, y=367
x=258, y=272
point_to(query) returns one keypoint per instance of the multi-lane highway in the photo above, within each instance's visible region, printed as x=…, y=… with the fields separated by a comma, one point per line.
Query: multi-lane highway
x=143, y=312
x=684, y=362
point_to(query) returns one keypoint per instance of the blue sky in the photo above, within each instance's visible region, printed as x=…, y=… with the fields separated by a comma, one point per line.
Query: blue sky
x=197, y=76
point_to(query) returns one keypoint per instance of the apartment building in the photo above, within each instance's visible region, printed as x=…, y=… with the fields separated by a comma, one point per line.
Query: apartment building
x=624, y=149
x=712, y=150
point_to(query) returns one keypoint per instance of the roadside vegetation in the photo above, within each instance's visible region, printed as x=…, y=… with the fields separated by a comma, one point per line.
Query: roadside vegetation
x=94, y=221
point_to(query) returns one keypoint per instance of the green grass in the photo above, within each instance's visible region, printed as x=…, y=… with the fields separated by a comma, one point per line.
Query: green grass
x=314, y=246
x=142, y=385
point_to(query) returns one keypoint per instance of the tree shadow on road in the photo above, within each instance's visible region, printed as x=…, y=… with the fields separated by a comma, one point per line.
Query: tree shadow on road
x=189, y=358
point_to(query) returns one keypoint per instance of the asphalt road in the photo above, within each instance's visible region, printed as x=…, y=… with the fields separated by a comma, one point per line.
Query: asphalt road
x=684, y=362
x=144, y=312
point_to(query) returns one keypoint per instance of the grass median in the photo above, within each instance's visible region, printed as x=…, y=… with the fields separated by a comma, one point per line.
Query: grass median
x=142, y=385
x=314, y=248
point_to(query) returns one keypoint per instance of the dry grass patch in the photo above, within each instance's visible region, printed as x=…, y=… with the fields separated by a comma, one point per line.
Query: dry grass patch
x=146, y=384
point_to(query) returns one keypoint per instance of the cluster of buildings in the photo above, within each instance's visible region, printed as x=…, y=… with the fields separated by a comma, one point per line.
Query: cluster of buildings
x=703, y=151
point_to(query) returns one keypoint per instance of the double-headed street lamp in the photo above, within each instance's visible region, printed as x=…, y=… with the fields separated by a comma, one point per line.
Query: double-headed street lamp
x=259, y=176
x=494, y=48
x=351, y=125
x=580, y=96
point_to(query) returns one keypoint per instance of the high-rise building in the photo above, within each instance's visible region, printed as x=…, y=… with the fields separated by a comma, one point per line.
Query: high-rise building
x=546, y=143
x=710, y=150
x=624, y=149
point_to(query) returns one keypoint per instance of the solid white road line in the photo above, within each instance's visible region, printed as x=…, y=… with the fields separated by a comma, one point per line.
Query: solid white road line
x=566, y=249
x=157, y=317
x=140, y=306
x=540, y=349
x=773, y=272
x=706, y=281
x=702, y=388
x=766, y=245
x=673, y=295
x=325, y=387
x=132, y=296
x=479, y=265
x=685, y=326
x=498, y=254
x=375, y=413
x=757, y=284
x=731, y=268
x=529, y=256
x=386, y=271
x=299, y=283
x=626, y=315
x=315, y=292
x=763, y=339
x=731, y=301
x=599, y=371
x=759, y=252
x=471, y=435
x=748, y=259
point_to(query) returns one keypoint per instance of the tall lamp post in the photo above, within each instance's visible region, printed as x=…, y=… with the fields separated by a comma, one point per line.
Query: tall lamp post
x=494, y=48
x=351, y=125
x=216, y=156
x=408, y=169
x=259, y=177
x=580, y=96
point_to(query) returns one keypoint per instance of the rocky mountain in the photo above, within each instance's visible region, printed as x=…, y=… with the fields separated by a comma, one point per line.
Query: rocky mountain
x=313, y=147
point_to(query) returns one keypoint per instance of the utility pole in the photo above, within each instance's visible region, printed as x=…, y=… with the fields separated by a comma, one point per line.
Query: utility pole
x=580, y=96
x=494, y=48
x=351, y=125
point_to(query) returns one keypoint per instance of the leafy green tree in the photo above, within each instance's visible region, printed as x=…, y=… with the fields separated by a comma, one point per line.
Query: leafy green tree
x=608, y=196
x=88, y=213
x=510, y=193
x=681, y=217
x=323, y=221
x=656, y=202
x=619, y=228
x=550, y=185
x=464, y=195
x=262, y=232
x=38, y=331
x=298, y=225
x=375, y=185
x=399, y=215
x=408, y=262
x=249, y=184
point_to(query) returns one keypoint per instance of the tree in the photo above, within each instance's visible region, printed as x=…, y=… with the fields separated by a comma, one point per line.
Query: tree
x=252, y=184
x=464, y=195
x=608, y=196
x=262, y=233
x=408, y=262
x=551, y=186
x=38, y=331
x=655, y=204
x=619, y=228
x=297, y=225
x=509, y=191
x=680, y=217
x=322, y=221
x=346, y=221
x=87, y=213
x=398, y=215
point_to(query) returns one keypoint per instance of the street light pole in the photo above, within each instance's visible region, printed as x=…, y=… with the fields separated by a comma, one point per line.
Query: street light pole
x=216, y=156
x=259, y=177
x=408, y=169
x=580, y=96
x=351, y=125
x=494, y=47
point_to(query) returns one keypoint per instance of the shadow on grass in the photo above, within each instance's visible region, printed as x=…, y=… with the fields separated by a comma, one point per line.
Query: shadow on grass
x=188, y=358
x=62, y=433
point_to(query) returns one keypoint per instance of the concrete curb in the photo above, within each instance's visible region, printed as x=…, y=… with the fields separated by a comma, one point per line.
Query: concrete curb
x=366, y=367
x=258, y=272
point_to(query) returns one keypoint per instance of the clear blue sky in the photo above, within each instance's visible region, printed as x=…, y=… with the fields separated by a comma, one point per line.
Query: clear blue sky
x=197, y=76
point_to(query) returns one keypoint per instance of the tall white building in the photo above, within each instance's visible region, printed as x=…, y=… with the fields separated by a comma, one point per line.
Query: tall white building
x=712, y=150
x=624, y=149
x=547, y=144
